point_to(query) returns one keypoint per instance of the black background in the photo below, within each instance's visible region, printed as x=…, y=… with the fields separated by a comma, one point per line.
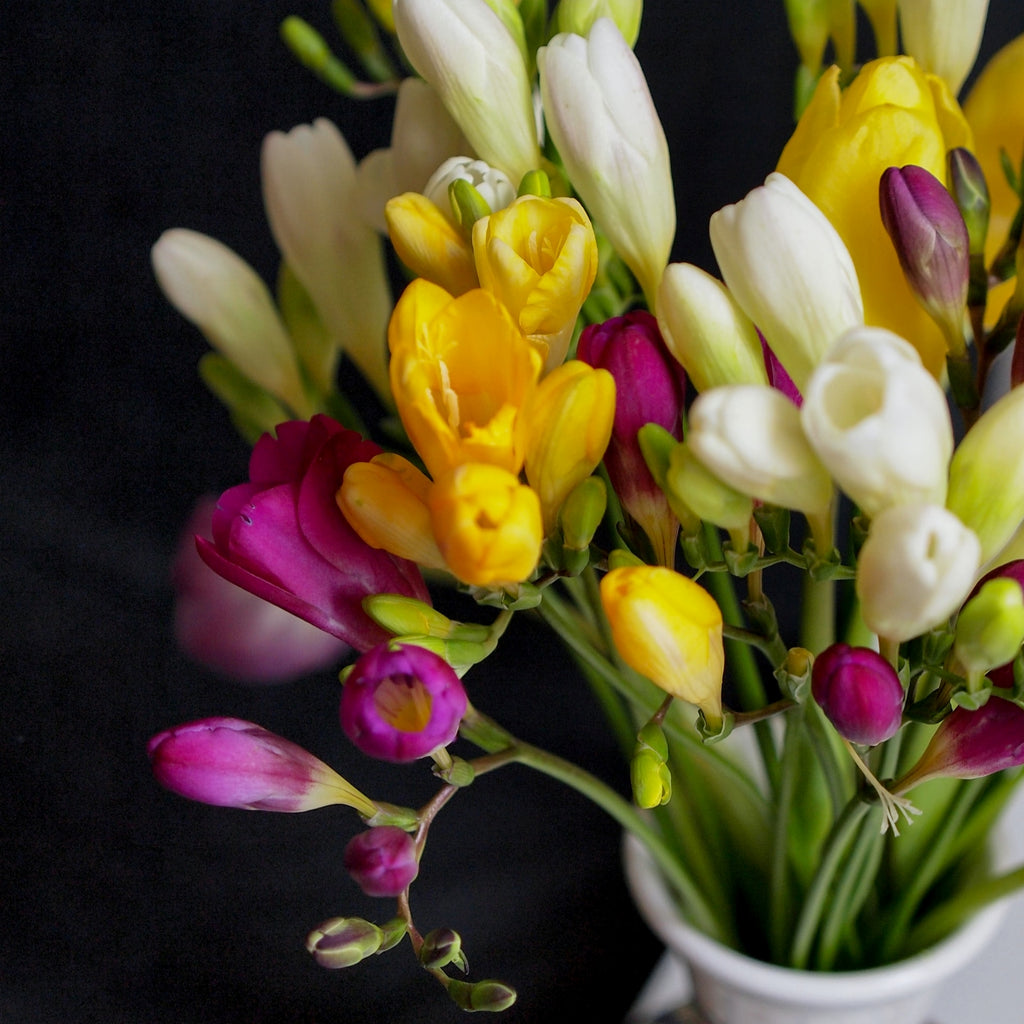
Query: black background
x=118, y=901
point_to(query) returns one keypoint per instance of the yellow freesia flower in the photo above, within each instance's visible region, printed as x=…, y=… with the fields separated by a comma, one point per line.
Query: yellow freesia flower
x=995, y=112
x=892, y=115
x=539, y=256
x=461, y=375
x=385, y=502
x=487, y=524
x=427, y=242
x=570, y=425
x=669, y=629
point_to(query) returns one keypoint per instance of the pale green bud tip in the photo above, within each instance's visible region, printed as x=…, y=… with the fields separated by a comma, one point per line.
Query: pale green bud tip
x=535, y=183
x=486, y=996
x=578, y=16
x=970, y=192
x=620, y=558
x=441, y=948
x=403, y=616
x=990, y=628
x=343, y=941
x=652, y=737
x=582, y=513
x=468, y=205
x=305, y=42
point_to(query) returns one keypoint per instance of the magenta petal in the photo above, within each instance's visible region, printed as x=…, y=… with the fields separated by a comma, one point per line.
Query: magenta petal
x=777, y=376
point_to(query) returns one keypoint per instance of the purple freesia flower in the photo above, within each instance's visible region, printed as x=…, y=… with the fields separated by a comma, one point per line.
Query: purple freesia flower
x=228, y=762
x=650, y=387
x=401, y=703
x=382, y=860
x=283, y=537
x=859, y=692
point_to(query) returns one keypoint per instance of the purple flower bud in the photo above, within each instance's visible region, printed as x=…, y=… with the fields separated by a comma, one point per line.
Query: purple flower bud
x=402, y=703
x=931, y=241
x=859, y=692
x=969, y=744
x=650, y=387
x=382, y=860
x=777, y=376
x=228, y=762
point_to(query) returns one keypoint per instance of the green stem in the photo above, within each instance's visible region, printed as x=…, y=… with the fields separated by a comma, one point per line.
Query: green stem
x=780, y=897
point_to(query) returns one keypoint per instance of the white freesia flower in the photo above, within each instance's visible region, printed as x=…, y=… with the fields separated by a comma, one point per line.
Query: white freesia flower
x=750, y=437
x=706, y=330
x=790, y=272
x=943, y=36
x=879, y=421
x=494, y=186
x=602, y=119
x=310, y=193
x=463, y=49
x=915, y=569
x=212, y=286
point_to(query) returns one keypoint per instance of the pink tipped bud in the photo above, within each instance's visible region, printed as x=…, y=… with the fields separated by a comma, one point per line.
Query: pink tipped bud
x=401, y=703
x=231, y=763
x=931, y=242
x=382, y=860
x=859, y=692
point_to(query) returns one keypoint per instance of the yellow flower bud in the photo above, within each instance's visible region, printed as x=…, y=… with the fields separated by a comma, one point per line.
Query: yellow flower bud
x=892, y=115
x=461, y=374
x=429, y=244
x=669, y=629
x=487, y=524
x=570, y=421
x=539, y=256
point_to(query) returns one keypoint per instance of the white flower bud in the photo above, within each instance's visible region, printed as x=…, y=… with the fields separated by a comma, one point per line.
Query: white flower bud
x=493, y=185
x=943, y=36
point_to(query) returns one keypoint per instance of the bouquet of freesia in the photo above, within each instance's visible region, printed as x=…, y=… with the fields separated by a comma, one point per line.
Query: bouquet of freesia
x=562, y=424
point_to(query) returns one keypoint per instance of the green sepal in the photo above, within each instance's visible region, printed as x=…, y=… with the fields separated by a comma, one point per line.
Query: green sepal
x=392, y=933
x=773, y=522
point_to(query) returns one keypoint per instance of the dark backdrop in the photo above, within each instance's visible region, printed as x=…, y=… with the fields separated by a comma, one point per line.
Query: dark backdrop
x=122, y=903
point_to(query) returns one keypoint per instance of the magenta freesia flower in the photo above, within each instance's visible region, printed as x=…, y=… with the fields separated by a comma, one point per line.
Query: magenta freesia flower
x=859, y=692
x=401, y=703
x=229, y=762
x=650, y=387
x=283, y=538
x=234, y=632
x=382, y=860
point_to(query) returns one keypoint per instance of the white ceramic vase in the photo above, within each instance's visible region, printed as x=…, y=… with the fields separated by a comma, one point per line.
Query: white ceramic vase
x=731, y=988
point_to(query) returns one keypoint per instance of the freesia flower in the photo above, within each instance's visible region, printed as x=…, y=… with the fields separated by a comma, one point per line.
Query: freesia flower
x=227, y=300
x=870, y=389
x=492, y=185
x=462, y=48
x=401, y=703
x=650, y=388
x=602, y=119
x=943, y=36
x=789, y=271
x=914, y=570
x=234, y=632
x=893, y=114
x=539, y=257
x=310, y=192
x=382, y=860
x=228, y=762
x=705, y=329
x=461, y=374
x=283, y=538
x=487, y=524
x=669, y=629
x=859, y=692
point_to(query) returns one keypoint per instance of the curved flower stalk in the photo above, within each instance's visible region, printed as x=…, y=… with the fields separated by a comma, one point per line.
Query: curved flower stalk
x=602, y=119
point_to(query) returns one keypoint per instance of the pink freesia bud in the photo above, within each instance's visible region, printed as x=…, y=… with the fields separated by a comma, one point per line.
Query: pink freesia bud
x=228, y=762
x=777, y=376
x=931, y=242
x=859, y=692
x=283, y=537
x=650, y=386
x=382, y=860
x=969, y=744
x=234, y=632
x=401, y=703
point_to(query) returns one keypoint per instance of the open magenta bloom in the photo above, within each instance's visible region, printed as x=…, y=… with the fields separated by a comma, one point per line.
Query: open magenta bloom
x=401, y=703
x=229, y=762
x=859, y=692
x=283, y=537
x=650, y=387
x=382, y=860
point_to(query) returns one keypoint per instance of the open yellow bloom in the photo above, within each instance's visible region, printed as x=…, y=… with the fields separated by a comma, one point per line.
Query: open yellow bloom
x=427, y=242
x=669, y=629
x=539, y=256
x=892, y=115
x=487, y=524
x=461, y=375
x=570, y=425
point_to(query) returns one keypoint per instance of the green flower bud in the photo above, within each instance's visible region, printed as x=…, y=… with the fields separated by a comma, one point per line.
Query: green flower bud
x=468, y=206
x=442, y=947
x=579, y=16
x=657, y=445
x=689, y=480
x=651, y=780
x=488, y=996
x=990, y=627
x=535, y=183
x=582, y=513
x=405, y=615
x=343, y=941
x=652, y=737
x=392, y=933
x=621, y=558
